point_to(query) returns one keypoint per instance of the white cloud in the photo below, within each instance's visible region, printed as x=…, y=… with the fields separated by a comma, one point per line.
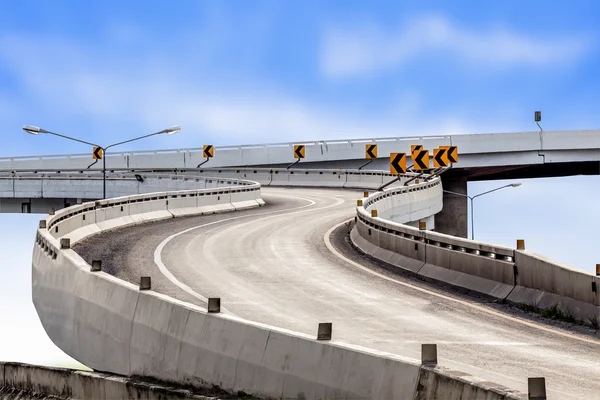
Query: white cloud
x=231, y=109
x=369, y=49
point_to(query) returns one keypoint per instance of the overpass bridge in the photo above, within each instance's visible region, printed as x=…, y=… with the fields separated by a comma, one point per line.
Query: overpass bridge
x=280, y=266
x=514, y=155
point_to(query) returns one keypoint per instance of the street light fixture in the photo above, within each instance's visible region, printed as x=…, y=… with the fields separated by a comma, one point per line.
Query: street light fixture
x=34, y=130
x=472, y=198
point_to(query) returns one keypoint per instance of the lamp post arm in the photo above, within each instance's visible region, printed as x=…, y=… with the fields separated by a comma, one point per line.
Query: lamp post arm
x=133, y=140
x=490, y=191
x=457, y=194
x=70, y=138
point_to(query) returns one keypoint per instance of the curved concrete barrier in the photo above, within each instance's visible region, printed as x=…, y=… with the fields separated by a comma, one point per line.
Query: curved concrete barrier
x=501, y=273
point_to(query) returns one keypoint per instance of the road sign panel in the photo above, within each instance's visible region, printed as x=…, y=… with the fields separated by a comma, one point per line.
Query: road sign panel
x=414, y=148
x=208, y=151
x=298, y=151
x=371, y=151
x=440, y=158
x=97, y=153
x=421, y=160
x=452, y=152
x=397, y=163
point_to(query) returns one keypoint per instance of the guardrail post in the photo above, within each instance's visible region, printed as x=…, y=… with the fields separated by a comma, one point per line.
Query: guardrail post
x=359, y=203
x=422, y=225
x=324, y=331
x=429, y=354
x=65, y=243
x=520, y=244
x=366, y=194
x=96, y=266
x=214, y=305
x=373, y=213
x=42, y=224
x=51, y=211
x=145, y=283
x=536, y=389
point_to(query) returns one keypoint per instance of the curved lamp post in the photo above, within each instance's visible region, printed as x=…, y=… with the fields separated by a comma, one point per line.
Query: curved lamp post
x=34, y=130
x=471, y=198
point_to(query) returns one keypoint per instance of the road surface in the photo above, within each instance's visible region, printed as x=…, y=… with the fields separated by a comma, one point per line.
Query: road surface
x=286, y=265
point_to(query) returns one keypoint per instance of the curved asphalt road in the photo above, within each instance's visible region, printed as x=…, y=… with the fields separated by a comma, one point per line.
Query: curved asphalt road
x=283, y=265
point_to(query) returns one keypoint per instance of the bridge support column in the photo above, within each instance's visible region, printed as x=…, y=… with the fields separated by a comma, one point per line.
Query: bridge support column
x=453, y=219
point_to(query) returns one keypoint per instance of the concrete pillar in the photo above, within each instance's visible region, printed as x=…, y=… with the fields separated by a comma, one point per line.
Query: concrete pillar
x=453, y=219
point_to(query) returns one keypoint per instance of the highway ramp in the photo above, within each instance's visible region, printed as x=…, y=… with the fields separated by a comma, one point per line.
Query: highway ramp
x=285, y=265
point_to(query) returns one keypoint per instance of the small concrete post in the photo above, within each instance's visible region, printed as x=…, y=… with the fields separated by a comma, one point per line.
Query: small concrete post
x=324, y=331
x=359, y=203
x=520, y=244
x=536, y=388
x=96, y=266
x=65, y=243
x=145, y=283
x=366, y=194
x=373, y=213
x=214, y=305
x=42, y=224
x=51, y=211
x=597, y=269
x=429, y=354
x=422, y=225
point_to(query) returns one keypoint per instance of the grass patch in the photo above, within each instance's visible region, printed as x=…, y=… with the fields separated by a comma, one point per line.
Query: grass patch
x=529, y=308
x=554, y=312
x=595, y=322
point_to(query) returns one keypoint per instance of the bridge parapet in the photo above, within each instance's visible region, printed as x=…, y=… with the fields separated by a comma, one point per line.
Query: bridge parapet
x=501, y=273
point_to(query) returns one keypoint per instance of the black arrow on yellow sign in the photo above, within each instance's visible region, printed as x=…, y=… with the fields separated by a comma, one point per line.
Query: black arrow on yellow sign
x=421, y=160
x=415, y=148
x=371, y=151
x=397, y=163
x=209, y=151
x=97, y=153
x=453, y=154
x=439, y=158
x=299, y=151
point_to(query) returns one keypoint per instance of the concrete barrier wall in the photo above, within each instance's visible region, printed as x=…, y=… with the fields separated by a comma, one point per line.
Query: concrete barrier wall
x=542, y=282
x=502, y=273
x=86, y=185
x=437, y=383
x=30, y=381
x=484, y=149
x=80, y=220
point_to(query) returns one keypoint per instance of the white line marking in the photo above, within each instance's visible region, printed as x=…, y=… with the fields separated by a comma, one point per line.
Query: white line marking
x=165, y=271
x=448, y=298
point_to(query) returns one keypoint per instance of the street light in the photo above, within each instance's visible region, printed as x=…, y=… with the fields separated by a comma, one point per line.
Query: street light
x=471, y=198
x=34, y=130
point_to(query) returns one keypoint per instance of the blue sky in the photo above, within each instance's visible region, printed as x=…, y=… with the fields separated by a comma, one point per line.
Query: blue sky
x=232, y=72
x=264, y=71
